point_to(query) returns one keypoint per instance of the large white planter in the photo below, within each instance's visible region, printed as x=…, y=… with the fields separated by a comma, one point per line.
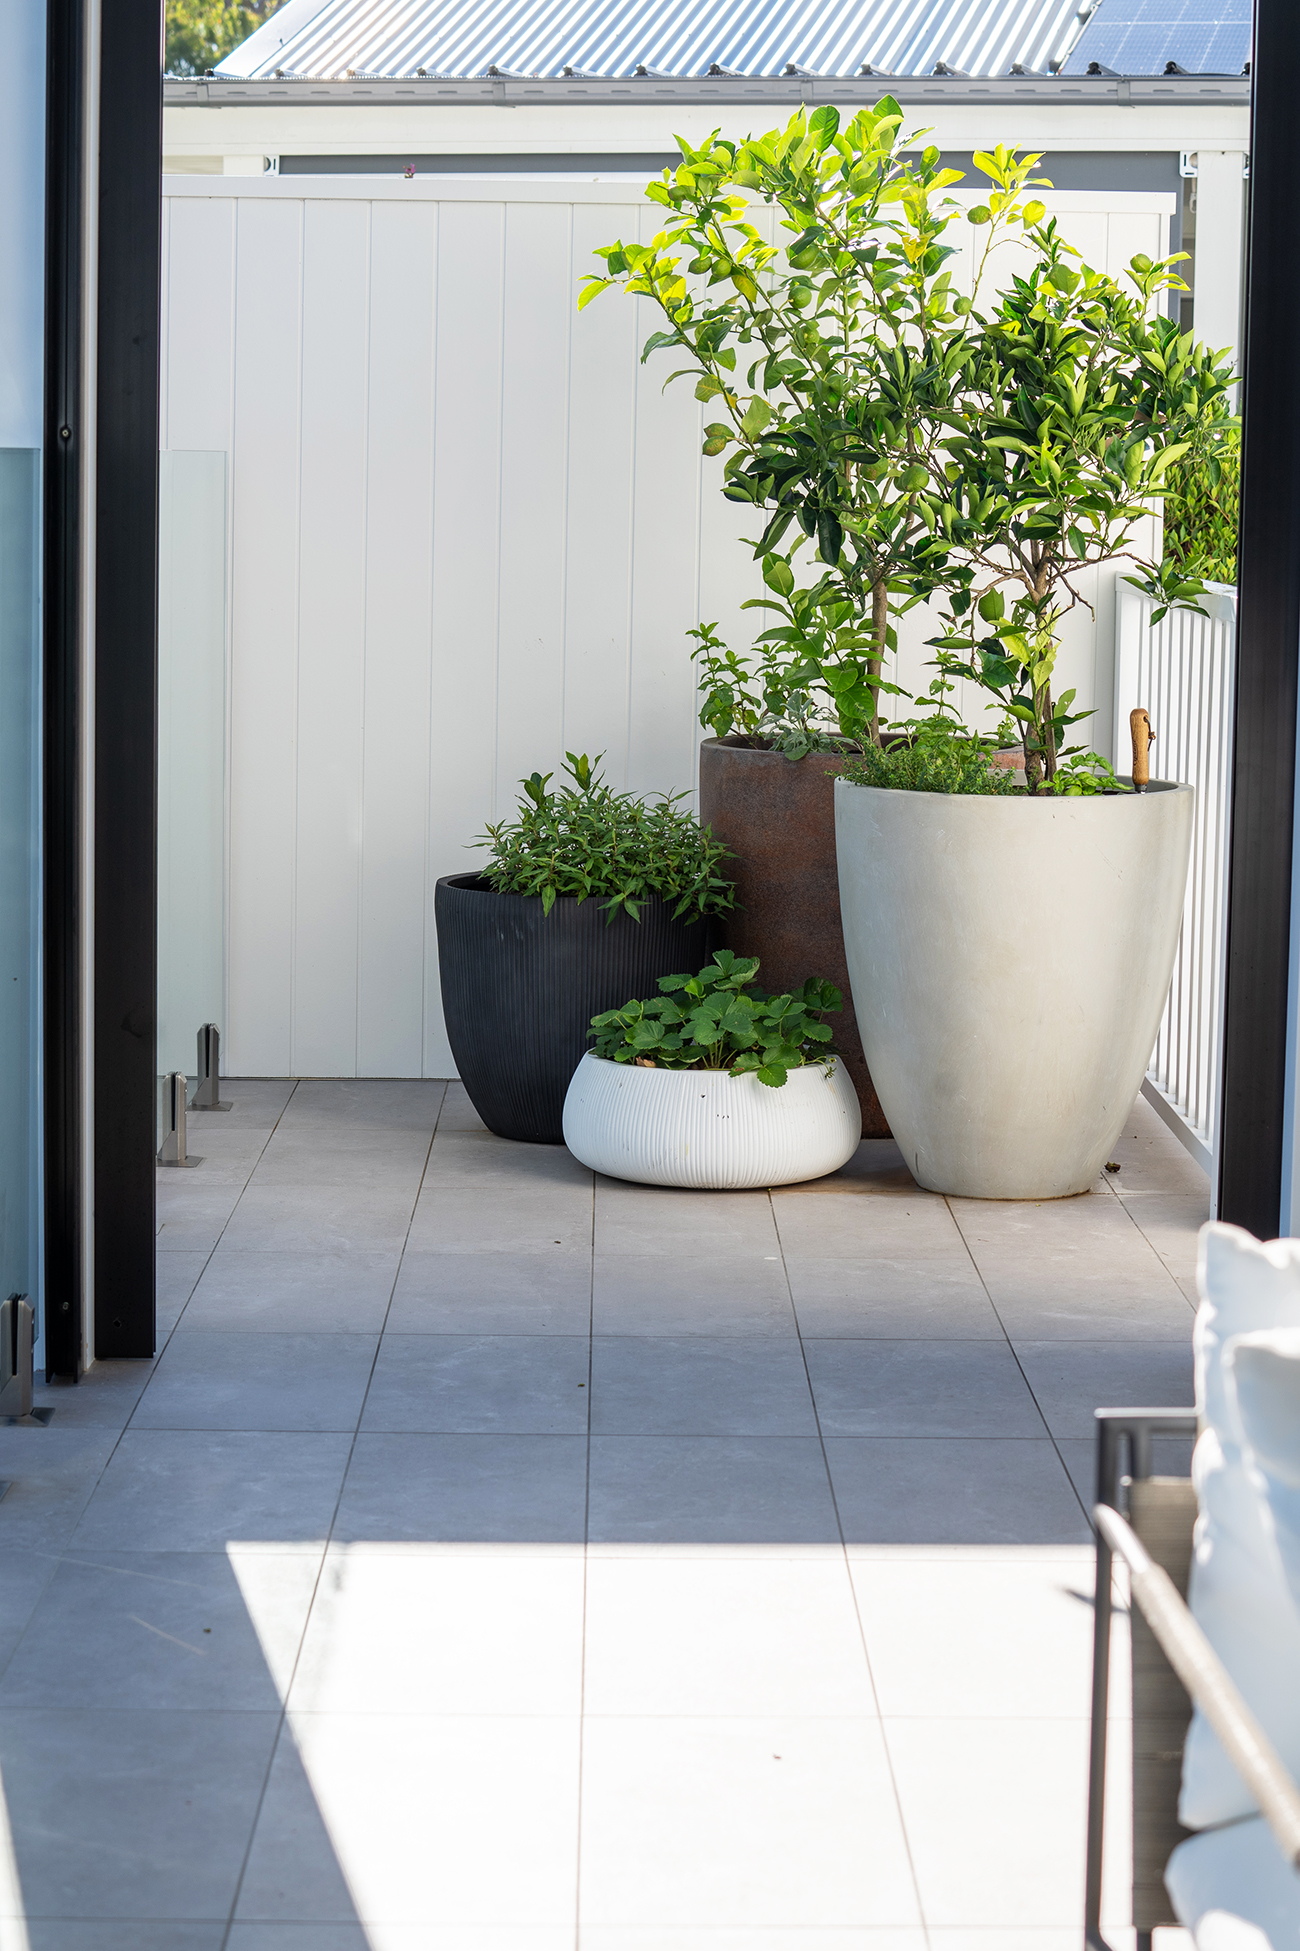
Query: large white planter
x=1010, y=960
x=704, y=1128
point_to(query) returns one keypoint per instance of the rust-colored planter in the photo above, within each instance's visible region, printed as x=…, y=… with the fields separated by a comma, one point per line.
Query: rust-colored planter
x=778, y=819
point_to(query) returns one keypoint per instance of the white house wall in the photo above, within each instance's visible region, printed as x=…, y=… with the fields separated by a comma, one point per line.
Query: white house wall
x=468, y=531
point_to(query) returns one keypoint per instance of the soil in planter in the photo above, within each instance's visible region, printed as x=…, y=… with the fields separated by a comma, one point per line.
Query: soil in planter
x=778, y=819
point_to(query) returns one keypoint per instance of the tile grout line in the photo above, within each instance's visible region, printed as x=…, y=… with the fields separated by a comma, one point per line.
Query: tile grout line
x=1144, y=1236
x=320, y=1569
x=157, y=1357
x=1015, y=1356
x=848, y=1572
x=221, y=1235
x=586, y=1562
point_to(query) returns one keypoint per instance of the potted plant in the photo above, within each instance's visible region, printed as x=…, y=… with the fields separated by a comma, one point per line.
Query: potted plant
x=714, y=1083
x=589, y=893
x=1007, y=1067
x=850, y=340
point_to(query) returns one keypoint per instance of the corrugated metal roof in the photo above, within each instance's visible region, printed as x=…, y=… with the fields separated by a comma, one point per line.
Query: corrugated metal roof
x=1140, y=37
x=671, y=37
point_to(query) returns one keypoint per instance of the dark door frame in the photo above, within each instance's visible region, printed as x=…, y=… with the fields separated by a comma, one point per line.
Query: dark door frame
x=126, y=665
x=119, y=509
x=1257, y=997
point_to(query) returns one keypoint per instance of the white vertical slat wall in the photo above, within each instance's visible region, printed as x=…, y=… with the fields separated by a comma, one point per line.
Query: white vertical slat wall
x=1182, y=673
x=468, y=530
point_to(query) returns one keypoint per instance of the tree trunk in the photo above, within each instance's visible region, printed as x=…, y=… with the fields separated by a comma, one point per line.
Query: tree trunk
x=1049, y=736
x=876, y=658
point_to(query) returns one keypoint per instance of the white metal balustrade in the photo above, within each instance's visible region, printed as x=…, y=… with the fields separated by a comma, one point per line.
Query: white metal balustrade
x=1182, y=671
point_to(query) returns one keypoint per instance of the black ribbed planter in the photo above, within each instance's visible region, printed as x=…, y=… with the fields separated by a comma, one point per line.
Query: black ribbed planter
x=519, y=990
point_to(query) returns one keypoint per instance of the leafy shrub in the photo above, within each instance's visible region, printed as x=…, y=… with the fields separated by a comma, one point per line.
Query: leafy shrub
x=937, y=754
x=721, y=1020
x=947, y=764
x=586, y=839
x=1201, y=511
x=202, y=32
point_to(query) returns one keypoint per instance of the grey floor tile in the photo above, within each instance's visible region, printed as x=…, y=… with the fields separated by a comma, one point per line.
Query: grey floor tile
x=52, y=1474
x=191, y=1219
x=326, y=1144
x=167, y=1629
x=475, y=1160
x=1071, y=1379
x=160, y=1803
x=317, y=1219
x=877, y=1167
x=465, y=1489
x=954, y=1491
x=285, y=1293
x=519, y=1219
x=182, y=1490
x=299, y=1937
x=457, y=1113
x=438, y=1820
x=528, y=1385
x=27, y=1572
x=1151, y=1159
x=175, y=1278
x=492, y=1293
x=813, y=1225
x=356, y=1169
x=258, y=1381
x=1172, y=1222
x=710, y=1490
x=763, y=1828
x=1042, y=1309
x=381, y=1103
x=995, y=1812
x=255, y=1100
x=293, y=1872
x=124, y=1934
x=675, y=1294
x=920, y=1388
x=932, y=1297
x=661, y=1219
x=105, y=1395
x=699, y=1385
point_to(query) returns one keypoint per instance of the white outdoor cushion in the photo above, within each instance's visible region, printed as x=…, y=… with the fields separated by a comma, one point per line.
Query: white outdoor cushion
x=1263, y=1377
x=1235, y=1891
x=1237, y=1592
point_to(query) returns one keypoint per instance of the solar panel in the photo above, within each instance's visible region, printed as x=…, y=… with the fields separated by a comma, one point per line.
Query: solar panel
x=1140, y=37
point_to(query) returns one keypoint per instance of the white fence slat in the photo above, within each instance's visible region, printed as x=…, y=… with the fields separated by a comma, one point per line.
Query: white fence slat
x=265, y=470
x=1182, y=672
x=331, y=628
x=667, y=477
x=598, y=566
x=466, y=538
x=537, y=314
x=399, y=524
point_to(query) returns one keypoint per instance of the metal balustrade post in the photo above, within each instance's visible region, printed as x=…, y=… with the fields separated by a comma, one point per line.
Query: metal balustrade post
x=173, y=1146
x=208, y=1095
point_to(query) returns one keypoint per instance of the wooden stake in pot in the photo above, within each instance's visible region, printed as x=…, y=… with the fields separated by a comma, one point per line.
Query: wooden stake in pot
x=1143, y=738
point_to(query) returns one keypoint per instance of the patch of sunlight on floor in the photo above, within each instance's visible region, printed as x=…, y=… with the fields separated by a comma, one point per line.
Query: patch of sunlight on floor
x=772, y=1744
x=13, y=1921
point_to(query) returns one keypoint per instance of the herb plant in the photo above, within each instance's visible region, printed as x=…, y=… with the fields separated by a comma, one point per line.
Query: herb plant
x=721, y=1020
x=587, y=840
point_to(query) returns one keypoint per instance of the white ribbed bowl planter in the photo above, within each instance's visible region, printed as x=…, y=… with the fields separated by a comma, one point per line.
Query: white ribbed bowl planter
x=1010, y=961
x=704, y=1128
